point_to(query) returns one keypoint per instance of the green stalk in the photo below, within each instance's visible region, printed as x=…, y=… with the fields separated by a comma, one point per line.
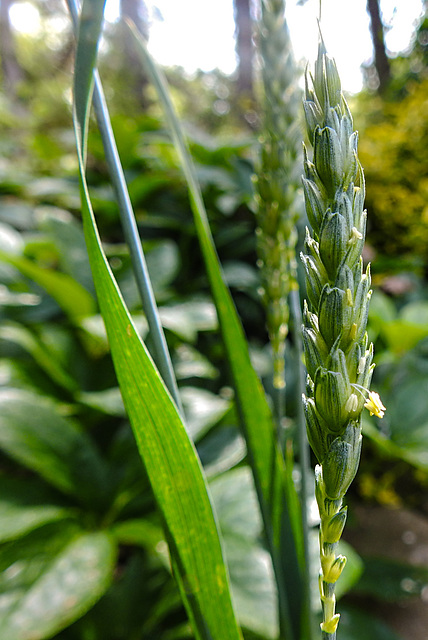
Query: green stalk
x=161, y=354
x=304, y=454
x=338, y=357
x=278, y=183
x=278, y=205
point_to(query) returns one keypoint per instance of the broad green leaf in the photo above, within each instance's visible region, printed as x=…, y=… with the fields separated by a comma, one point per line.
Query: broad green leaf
x=163, y=262
x=222, y=449
x=250, y=566
x=188, y=318
x=11, y=241
x=70, y=242
x=391, y=580
x=47, y=361
x=73, y=299
x=169, y=457
x=203, y=410
x=356, y=624
x=108, y=401
x=50, y=578
x=143, y=603
x=36, y=435
x=139, y=532
x=25, y=506
x=190, y=363
x=401, y=336
x=274, y=485
x=403, y=432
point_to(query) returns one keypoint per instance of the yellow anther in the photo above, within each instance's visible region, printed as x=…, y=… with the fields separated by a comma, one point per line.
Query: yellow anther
x=374, y=405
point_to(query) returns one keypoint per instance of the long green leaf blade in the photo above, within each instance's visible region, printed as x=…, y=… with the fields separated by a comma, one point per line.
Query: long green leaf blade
x=169, y=456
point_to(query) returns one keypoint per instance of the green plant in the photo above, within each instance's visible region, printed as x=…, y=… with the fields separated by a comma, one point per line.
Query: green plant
x=90, y=497
x=338, y=358
x=278, y=193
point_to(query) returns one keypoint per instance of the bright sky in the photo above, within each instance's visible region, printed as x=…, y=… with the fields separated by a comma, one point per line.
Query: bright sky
x=200, y=33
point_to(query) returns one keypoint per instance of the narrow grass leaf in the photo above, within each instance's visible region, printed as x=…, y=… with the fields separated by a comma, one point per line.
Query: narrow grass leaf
x=168, y=455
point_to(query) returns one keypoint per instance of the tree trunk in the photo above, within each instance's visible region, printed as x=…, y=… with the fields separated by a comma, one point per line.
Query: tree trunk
x=13, y=74
x=381, y=61
x=136, y=11
x=244, y=46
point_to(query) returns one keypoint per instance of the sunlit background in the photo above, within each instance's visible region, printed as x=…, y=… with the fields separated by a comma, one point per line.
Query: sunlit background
x=199, y=34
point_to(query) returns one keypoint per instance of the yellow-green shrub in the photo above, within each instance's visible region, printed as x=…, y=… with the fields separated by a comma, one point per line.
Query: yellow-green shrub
x=394, y=153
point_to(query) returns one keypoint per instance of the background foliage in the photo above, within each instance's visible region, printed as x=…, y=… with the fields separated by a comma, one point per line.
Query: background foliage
x=77, y=515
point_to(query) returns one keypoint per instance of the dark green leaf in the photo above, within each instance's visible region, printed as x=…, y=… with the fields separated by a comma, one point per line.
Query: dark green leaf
x=49, y=579
x=391, y=580
x=35, y=434
x=25, y=506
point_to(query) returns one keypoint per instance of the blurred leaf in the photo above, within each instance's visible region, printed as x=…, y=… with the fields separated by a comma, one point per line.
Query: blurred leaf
x=391, y=580
x=108, y=401
x=163, y=263
x=190, y=363
x=58, y=191
x=17, y=213
x=250, y=566
x=70, y=242
x=416, y=313
x=33, y=433
x=203, y=410
x=403, y=432
x=253, y=586
x=75, y=301
x=241, y=276
x=142, y=603
x=49, y=581
x=236, y=503
x=10, y=240
x=188, y=318
x=44, y=357
x=401, y=331
x=25, y=506
x=352, y=572
x=139, y=532
x=13, y=299
x=402, y=336
x=222, y=449
x=357, y=625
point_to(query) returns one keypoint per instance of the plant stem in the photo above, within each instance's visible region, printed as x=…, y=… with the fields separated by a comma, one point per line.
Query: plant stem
x=304, y=454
